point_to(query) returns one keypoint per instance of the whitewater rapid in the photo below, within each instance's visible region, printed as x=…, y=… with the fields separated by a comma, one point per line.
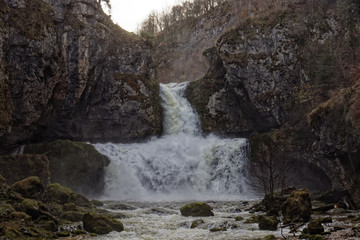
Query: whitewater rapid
x=182, y=164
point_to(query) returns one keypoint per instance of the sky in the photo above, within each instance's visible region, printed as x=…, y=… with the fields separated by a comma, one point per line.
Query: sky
x=128, y=14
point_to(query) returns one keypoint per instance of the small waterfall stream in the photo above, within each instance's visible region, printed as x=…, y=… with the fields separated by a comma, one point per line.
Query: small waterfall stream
x=182, y=164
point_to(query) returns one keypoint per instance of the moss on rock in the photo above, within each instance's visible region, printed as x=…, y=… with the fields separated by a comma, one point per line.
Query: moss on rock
x=268, y=223
x=101, y=224
x=30, y=187
x=76, y=165
x=297, y=208
x=196, y=210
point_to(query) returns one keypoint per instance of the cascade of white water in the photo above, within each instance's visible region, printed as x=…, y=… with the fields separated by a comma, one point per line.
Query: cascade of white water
x=181, y=165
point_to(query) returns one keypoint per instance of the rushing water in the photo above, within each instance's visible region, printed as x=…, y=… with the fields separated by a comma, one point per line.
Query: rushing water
x=181, y=165
x=157, y=177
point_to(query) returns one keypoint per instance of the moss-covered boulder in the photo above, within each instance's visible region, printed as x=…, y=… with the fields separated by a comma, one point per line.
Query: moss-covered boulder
x=101, y=224
x=314, y=227
x=268, y=223
x=252, y=219
x=30, y=207
x=17, y=167
x=30, y=187
x=297, y=207
x=72, y=216
x=196, y=210
x=76, y=165
x=59, y=194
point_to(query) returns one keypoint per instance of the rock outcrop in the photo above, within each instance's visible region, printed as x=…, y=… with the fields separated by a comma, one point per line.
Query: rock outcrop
x=271, y=79
x=76, y=165
x=68, y=72
x=17, y=167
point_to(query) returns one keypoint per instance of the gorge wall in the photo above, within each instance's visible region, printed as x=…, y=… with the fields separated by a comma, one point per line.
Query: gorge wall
x=289, y=81
x=66, y=71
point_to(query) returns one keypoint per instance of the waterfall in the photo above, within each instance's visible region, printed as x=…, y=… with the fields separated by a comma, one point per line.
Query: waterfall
x=180, y=165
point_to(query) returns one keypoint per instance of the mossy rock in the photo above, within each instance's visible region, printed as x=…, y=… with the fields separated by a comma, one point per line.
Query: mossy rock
x=30, y=187
x=19, y=216
x=218, y=229
x=270, y=237
x=196, y=210
x=5, y=211
x=101, y=224
x=78, y=232
x=30, y=207
x=63, y=234
x=72, y=216
x=18, y=167
x=239, y=218
x=268, y=223
x=50, y=226
x=314, y=227
x=59, y=194
x=80, y=200
x=196, y=223
x=252, y=219
x=77, y=165
x=97, y=203
x=69, y=207
x=297, y=207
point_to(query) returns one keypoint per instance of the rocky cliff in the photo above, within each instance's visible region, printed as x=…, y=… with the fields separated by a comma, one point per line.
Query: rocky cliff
x=66, y=71
x=289, y=81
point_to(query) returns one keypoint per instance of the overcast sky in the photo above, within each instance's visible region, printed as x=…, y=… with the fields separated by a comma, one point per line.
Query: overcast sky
x=128, y=14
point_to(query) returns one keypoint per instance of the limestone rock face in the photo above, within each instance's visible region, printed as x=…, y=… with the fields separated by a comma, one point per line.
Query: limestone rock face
x=68, y=72
x=282, y=79
x=76, y=165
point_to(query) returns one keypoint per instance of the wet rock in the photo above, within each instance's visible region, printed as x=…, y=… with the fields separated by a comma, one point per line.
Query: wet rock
x=101, y=224
x=196, y=223
x=196, y=210
x=17, y=167
x=80, y=200
x=97, y=203
x=270, y=237
x=30, y=187
x=218, y=229
x=76, y=165
x=78, y=232
x=268, y=223
x=297, y=207
x=120, y=206
x=63, y=234
x=239, y=218
x=72, y=216
x=314, y=227
x=58, y=193
x=252, y=219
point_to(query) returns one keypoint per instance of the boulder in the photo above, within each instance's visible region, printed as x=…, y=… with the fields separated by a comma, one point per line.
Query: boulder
x=196, y=210
x=196, y=223
x=17, y=167
x=74, y=164
x=30, y=207
x=101, y=224
x=314, y=227
x=72, y=216
x=252, y=219
x=268, y=223
x=59, y=194
x=30, y=187
x=297, y=207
